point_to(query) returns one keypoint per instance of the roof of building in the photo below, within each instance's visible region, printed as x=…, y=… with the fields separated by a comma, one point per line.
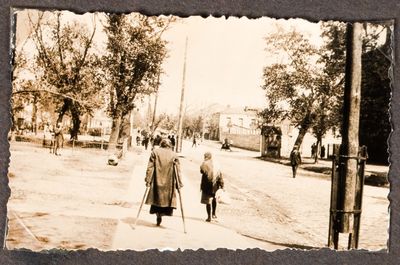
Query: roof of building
x=239, y=110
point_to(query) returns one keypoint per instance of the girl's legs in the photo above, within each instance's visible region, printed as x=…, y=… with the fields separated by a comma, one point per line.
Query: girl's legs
x=214, y=207
x=208, y=208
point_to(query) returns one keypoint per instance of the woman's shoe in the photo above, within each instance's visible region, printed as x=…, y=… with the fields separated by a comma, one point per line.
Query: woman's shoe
x=214, y=216
x=208, y=219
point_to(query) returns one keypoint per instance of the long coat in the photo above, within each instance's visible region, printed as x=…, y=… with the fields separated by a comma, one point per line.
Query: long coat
x=161, y=174
x=295, y=158
x=58, y=138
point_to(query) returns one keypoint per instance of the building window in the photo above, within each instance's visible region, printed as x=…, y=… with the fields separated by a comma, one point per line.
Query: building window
x=253, y=124
x=228, y=121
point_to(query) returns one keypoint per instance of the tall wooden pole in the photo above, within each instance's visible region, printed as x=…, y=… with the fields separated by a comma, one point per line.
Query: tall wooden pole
x=148, y=115
x=351, y=120
x=180, y=118
x=155, y=103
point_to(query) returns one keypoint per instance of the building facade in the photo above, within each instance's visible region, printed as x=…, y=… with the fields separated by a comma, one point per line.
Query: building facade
x=241, y=127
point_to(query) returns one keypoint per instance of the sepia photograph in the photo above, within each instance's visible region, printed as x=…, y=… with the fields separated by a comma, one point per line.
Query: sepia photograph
x=135, y=132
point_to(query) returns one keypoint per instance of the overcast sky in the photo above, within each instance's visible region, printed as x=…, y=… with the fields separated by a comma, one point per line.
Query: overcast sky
x=225, y=58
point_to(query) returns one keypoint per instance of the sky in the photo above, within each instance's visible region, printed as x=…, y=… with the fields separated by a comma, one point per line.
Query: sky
x=224, y=61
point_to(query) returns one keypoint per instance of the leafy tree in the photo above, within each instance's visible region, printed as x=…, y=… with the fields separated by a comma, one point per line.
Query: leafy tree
x=332, y=57
x=168, y=122
x=66, y=65
x=135, y=52
x=292, y=87
x=311, y=96
x=375, y=97
x=19, y=63
x=25, y=90
x=375, y=87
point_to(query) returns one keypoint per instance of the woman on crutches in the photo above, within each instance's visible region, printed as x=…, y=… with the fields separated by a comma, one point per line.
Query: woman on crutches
x=162, y=180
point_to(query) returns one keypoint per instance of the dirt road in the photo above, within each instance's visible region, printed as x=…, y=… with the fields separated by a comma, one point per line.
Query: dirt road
x=268, y=204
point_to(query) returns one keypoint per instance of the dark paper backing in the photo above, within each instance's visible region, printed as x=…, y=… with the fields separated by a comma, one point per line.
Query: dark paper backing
x=350, y=10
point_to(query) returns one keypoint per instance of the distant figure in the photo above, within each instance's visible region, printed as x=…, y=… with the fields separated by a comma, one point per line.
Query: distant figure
x=194, y=140
x=151, y=140
x=172, y=139
x=313, y=150
x=322, y=152
x=211, y=181
x=226, y=145
x=157, y=140
x=138, y=140
x=162, y=180
x=145, y=141
x=295, y=159
x=58, y=139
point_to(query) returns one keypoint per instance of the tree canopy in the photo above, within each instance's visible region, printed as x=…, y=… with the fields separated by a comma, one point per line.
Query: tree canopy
x=292, y=87
x=132, y=65
x=307, y=86
x=65, y=65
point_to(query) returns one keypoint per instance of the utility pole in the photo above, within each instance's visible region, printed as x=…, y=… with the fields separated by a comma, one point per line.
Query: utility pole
x=148, y=115
x=180, y=117
x=155, y=103
x=348, y=169
x=351, y=120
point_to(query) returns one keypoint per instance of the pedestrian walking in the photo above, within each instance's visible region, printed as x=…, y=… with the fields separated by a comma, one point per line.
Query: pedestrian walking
x=211, y=182
x=295, y=159
x=157, y=140
x=163, y=176
x=172, y=142
x=145, y=141
x=322, y=152
x=58, y=139
x=194, y=144
x=313, y=150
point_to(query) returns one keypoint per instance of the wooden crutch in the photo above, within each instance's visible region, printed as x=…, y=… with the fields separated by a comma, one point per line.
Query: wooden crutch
x=180, y=197
x=140, y=208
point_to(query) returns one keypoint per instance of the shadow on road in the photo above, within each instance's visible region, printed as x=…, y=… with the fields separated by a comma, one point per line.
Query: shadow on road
x=288, y=245
x=131, y=221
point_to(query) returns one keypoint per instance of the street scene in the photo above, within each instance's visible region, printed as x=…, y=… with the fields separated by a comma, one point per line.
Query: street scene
x=136, y=132
x=268, y=209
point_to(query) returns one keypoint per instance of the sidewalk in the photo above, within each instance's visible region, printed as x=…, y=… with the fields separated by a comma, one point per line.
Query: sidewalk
x=170, y=235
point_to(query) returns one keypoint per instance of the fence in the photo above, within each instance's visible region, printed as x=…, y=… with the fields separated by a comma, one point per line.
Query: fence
x=48, y=142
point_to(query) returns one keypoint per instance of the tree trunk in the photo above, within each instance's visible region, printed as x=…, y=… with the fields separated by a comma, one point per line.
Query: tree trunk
x=116, y=126
x=34, y=114
x=318, y=148
x=351, y=120
x=76, y=122
x=65, y=107
x=304, y=126
x=125, y=127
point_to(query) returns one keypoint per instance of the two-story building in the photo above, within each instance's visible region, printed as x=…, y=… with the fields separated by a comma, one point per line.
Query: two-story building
x=238, y=125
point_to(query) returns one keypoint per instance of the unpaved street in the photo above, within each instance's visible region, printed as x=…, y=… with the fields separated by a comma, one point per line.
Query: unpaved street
x=272, y=206
x=77, y=201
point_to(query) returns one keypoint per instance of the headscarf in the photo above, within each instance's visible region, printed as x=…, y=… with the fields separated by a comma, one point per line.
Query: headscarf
x=211, y=166
x=165, y=143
